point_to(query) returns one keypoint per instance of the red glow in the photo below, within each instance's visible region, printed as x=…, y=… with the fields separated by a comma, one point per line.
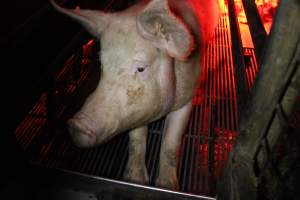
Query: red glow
x=243, y=25
x=267, y=9
x=216, y=101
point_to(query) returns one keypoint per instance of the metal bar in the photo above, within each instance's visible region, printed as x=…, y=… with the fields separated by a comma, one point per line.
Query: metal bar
x=196, y=146
x=111, y=148
x=224, y=96
x=257, y=30
x=181, y=161
x=105, y=150
x=233, y=89
x=97, y=186
x=115, y=152
x=203, y=118
x=192, y=151
x=197, y=130
x=101, y=160
x=92, y=160
x=187, y=162
x=207, y=122
x=123, y=159
x=154, y=151
x=238, y=57
x=228, y=76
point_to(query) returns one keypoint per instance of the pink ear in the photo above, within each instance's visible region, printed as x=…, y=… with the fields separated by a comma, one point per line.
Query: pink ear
x=93, y=21
x=159, y=24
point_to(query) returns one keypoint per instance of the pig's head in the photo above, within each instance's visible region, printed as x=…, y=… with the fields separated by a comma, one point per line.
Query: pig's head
x=137, y=85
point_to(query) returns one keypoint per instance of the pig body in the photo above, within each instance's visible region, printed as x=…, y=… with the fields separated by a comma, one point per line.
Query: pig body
x=150, y=55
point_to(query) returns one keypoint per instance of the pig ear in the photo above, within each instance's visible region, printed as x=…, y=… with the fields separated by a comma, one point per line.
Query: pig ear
x=93, y=21
x=159, y=24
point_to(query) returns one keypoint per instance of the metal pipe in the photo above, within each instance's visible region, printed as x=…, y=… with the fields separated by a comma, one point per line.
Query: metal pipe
x=98, y=187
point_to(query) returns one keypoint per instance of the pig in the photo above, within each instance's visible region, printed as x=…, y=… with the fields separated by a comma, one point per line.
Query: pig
x=150, y=62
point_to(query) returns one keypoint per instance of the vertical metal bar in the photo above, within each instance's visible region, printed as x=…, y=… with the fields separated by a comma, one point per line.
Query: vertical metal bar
x=257, y=30
x=223, y=86
x=255, y=64
x=93, y=160
x=200, y=124
x=238, y=57
x=103, y=159
x=150, y=147
x=124, y=158
x=154, y=151
x=181, y=161
x=86, y=155
x=207, y=120
x=190, y=155
x=156, y=155
x=230, y=81
x=233, y=92
x=112, y=148
x=202, y=134
x=188, y=160
x=196, y=146
x=221, y=98
x=114, y=156
x=210, y=149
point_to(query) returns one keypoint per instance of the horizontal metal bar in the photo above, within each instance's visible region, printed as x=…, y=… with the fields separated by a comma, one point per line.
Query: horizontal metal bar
x=99, y=187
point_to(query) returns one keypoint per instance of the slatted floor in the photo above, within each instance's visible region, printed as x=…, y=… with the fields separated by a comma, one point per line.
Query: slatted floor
x=213, y=125
x=205, y=144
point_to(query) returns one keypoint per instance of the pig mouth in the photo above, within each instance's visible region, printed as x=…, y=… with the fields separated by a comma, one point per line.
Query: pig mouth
x=81, y=131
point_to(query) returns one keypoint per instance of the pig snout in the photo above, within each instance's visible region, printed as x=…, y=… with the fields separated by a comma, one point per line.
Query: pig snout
x=82, y=130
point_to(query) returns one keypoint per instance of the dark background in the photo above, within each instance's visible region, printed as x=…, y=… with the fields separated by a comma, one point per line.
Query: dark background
x=32, y=35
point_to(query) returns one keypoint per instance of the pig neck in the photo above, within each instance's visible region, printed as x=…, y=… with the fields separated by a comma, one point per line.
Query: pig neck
x=186, y=72
x=167, y=81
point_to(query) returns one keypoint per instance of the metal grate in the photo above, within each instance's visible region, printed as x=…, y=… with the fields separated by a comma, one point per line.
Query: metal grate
x=251, y=67
x=213, y=125
x=205, y=144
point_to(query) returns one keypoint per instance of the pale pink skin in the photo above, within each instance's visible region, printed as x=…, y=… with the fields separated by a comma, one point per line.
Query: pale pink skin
x=149, y=69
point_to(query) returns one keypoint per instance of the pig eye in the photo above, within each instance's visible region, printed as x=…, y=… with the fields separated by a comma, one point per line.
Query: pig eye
x=140, y=69
x=139, y=66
